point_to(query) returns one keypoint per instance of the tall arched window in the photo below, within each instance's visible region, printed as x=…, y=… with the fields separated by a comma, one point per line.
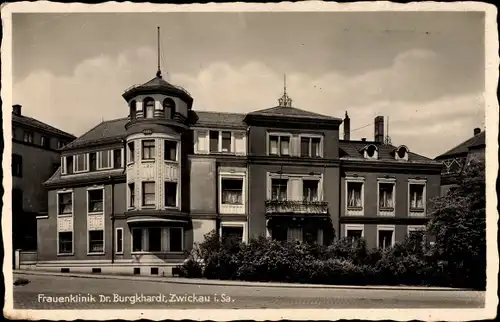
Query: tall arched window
x=149, y=107
x=133, y=110
x=169, y=108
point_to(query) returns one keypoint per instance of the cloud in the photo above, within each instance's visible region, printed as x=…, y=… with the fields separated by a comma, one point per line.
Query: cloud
x=426, y=112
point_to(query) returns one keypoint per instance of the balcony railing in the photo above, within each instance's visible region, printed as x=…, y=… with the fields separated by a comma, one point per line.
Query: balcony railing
x=296, y=207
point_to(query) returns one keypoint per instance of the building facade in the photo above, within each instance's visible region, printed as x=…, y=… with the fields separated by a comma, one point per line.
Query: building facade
x=133, y=194
x=457, y=158
x=35, y=157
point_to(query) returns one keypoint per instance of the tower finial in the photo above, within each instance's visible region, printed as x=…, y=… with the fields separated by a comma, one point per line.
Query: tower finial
x=285, y=100
x=158, y=72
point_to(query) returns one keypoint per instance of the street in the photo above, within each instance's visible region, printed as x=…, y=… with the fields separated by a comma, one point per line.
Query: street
x=85, y=293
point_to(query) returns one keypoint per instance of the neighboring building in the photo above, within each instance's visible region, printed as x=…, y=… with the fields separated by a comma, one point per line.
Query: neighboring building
x=455, y=159
x=35, y=157
x=133, y=194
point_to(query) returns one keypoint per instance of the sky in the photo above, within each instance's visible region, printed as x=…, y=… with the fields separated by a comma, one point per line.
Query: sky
x=423, y=71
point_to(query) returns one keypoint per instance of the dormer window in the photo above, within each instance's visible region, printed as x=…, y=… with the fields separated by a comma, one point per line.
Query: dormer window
x=401, y=153
x=169, y=108
x=133, y=110
x=149, y=107
x=370, y=151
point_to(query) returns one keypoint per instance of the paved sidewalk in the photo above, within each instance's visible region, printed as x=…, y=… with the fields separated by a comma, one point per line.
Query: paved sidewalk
x=200, y=281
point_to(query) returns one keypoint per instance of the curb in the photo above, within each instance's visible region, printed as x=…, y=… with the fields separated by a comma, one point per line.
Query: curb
x=174, y=280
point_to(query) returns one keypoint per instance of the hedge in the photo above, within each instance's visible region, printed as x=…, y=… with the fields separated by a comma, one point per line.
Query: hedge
x=410, y=262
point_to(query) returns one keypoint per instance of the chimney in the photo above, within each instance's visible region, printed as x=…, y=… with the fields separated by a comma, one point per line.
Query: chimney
x=477, y=131
x=16, y=109
x=363, y=139
x=379, y=129
x=347, y=127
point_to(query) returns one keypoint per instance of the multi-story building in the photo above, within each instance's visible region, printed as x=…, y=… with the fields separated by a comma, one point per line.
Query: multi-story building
x=35, y=157
x=133, y=194
x=457, y=158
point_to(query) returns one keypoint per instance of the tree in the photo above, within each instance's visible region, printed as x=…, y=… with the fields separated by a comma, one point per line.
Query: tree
x=458, y=222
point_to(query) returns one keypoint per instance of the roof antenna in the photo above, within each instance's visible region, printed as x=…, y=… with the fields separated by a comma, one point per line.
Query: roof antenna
x=158, y=73
x=387, y=137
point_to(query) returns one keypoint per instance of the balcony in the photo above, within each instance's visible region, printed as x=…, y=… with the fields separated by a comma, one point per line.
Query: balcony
x=288, y=207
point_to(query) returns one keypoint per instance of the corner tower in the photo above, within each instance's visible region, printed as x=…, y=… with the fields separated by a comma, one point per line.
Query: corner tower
x=157, y=123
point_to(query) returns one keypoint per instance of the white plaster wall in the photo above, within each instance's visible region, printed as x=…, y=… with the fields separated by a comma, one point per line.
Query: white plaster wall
x=157, y=170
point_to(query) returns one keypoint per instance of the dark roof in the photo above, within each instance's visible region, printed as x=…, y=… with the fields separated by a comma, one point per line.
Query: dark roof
x=57, y=178
x=157, y=85
x=113, y=130
x=29, y=121
x=220, y=119
x=287, y=111
x=353, y=150
x=107, y=130
x=463, y=148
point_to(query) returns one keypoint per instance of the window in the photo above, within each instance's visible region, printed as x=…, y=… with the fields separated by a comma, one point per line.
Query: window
x=117, y=158
x=14, y=136
x=310, y=190
x=157, y=239
x=81, y=163
x=137, y=240
x=131, y=152
x=131, y=191
x=93, y=161
x=65, y=203
x=226, y=141
x=354, y=234
x=304, y=147
x=279, y=189
x=385, y=238
x=313, y=235
x=104, y=159
x=371, y=151
x=170, y=150
x=310, y=147
x=354, y=195
x=232, y=191
x=295, y=234
x=28, y=137
x=170, y=194
x=386, y=196
x=148, y=193
x=175, y=239
x=402, y=153
x=119, y=240
x=133, y=110
x=169, y=108
x=417, y=197
x=148, y=149
x=69, y=164
x=149, y=107
x=65, y=242
x=60, y=144
x=45, y=141
x=17, y=165
x=214, y=141
x=96, y=241
x=279, y=233
x=416, y=231
x=95, y=200
x=232, y=234
x=279, y=145
x=154, y=239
